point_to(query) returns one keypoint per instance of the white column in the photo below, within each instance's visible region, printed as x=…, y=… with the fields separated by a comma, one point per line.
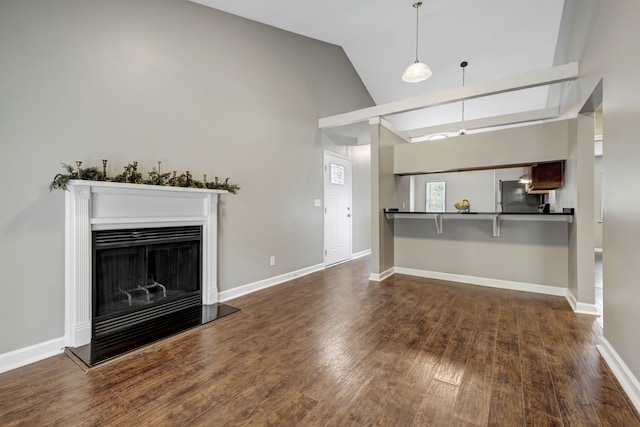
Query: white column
x=210, y=251
x=78, y=266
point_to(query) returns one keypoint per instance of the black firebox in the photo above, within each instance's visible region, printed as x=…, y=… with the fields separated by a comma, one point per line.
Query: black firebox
x=146, y=286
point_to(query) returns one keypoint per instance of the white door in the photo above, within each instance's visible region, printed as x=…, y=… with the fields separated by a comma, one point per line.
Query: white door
x=337, y=208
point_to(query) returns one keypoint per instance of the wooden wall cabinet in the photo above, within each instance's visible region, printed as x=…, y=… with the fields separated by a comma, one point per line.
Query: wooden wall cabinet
x=546, y=176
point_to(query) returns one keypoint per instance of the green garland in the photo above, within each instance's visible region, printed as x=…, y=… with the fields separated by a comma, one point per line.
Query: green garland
x=132, y=176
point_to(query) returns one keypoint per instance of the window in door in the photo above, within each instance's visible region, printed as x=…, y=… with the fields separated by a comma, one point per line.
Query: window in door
x=337, y=174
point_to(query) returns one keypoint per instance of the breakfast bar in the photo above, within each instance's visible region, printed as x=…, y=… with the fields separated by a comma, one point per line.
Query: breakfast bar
x=494, y=217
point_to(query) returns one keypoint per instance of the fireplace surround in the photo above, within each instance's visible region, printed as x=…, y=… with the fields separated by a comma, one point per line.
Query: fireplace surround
x=99, y=217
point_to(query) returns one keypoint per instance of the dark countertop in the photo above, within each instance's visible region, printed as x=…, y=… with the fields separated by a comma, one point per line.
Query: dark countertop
x=472, y=213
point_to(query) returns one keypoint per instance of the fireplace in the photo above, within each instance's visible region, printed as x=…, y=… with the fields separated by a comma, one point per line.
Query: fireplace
x=140, y=265
x=146, y=283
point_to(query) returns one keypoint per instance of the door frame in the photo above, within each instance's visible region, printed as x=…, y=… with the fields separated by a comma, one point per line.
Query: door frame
x=325, y=171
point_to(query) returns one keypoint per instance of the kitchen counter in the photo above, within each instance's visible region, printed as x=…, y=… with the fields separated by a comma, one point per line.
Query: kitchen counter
x=395, y=211
x=495, y=217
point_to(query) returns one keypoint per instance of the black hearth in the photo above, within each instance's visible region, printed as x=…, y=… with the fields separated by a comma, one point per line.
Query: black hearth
x=146, y=286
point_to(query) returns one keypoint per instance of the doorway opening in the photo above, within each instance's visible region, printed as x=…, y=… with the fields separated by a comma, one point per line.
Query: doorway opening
x=593, y=108
x=599, y=211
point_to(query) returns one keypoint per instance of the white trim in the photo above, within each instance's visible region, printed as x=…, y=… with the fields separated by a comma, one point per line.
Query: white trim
x=581, y=307
x=485, y=122
x=361, y=254
x=96, y=205
x=484, y=281
x=597, y=250
x=544, y=77
x=384, y=275
x=27, y=355
x=622, y=373
x=267, y=283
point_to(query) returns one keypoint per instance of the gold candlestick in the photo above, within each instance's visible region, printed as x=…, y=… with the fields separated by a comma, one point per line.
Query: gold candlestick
x=205, y=179
x=78, y=163
x=104, y=169
x=173, y=180
x=126, y=174
x=159, y=162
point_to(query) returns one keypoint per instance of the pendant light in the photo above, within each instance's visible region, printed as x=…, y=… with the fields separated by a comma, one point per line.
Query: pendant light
x=463, y=65
x=525, y=178
x=417, y=71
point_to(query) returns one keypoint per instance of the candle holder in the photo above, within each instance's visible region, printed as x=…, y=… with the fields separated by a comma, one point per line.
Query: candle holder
x=78, y=163
x=104, y=169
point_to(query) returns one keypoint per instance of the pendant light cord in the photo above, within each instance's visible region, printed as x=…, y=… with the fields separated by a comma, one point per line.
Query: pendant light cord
x=463, y=98
x=417, y=6
x=463, y=65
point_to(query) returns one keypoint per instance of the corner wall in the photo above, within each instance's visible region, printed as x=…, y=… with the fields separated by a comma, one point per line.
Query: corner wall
x=600, y=34
x=387, y=191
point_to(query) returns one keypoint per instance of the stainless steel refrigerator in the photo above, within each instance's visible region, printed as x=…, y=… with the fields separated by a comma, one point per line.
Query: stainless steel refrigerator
x=514, y=198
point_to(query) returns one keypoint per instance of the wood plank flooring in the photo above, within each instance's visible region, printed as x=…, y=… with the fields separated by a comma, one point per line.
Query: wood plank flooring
x=333, y=349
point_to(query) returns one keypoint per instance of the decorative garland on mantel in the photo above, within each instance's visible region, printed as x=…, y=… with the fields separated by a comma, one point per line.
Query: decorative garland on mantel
x=132, y=176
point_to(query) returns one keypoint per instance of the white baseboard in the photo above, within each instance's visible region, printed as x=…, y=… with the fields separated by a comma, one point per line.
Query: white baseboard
x=27, y=355
x=622, y=373
x=380, y=277
x=361, y=254
x=484, y=281
x=598, y=250
x=581, y=307
x=266, y=283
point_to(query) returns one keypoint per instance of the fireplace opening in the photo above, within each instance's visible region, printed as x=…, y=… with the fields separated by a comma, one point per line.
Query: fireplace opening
x=137, y=270
x=146, y=286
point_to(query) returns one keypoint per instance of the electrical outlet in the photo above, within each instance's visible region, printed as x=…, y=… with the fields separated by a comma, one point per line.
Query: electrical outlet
x=272, y=260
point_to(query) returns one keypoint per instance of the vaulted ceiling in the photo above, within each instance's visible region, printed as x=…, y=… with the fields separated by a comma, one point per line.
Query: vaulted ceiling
x=498, y=38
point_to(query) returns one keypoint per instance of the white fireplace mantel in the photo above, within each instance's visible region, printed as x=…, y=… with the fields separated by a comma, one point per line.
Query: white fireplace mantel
x=96, y=205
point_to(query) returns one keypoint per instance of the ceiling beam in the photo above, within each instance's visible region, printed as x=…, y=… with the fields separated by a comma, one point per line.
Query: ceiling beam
x=486, y=122
x=546, y=76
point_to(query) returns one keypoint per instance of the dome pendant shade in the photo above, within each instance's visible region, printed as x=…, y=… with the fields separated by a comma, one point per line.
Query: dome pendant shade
x=416, y=72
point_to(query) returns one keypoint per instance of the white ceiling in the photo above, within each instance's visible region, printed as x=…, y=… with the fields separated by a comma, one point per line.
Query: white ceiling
x=499, y=38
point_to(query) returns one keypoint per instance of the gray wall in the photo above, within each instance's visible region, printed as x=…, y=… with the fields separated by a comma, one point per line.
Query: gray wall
x=166, y=80
x=514, y=146
x=600, y=34
x=526, y=251
x=387, y=191
x=578, y=193
x=361, y=196
x=479, y=187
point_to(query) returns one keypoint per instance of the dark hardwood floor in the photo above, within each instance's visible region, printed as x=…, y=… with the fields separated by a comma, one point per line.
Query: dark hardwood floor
x=333, y=349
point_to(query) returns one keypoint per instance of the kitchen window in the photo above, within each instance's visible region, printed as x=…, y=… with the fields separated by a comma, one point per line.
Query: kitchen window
x=435, y=196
